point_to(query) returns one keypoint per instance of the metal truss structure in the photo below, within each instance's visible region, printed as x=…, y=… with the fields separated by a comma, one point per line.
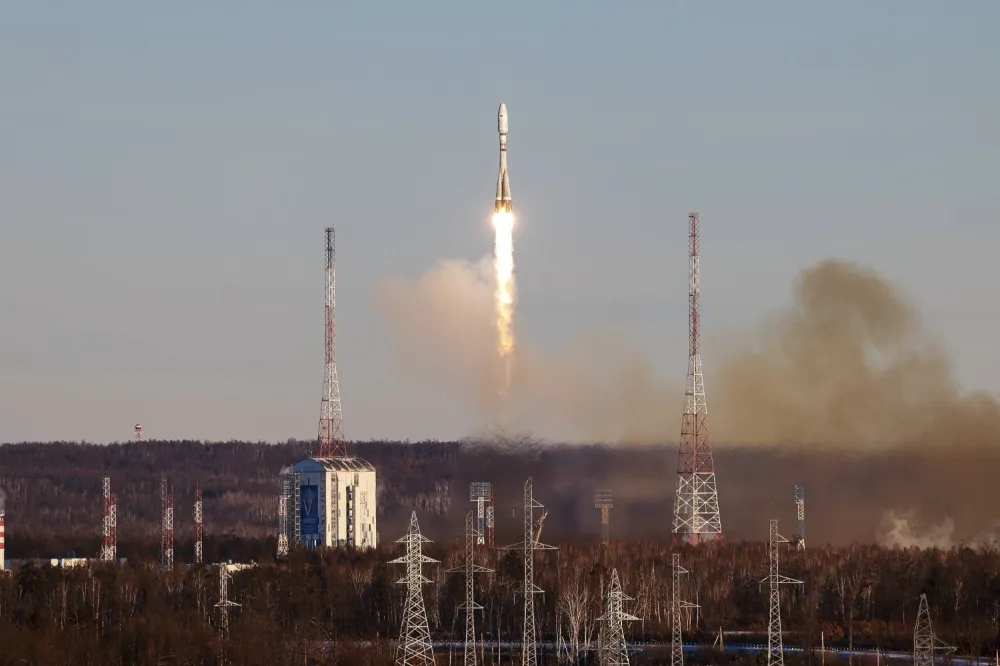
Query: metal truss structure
x=774, y=580
x=696, y=504
x=331, y=420
x=414, y=635
x=612, y=649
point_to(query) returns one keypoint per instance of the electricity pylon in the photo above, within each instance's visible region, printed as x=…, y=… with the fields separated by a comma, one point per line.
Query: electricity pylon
x=414, y=635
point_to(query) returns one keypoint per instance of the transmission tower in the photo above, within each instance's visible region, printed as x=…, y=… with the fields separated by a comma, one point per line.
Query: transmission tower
x=925, y=643
x=331, y=422
x=602, y=501
x=481, y=493
x=612, y=650
x=470, y=568
x=775, y=649
x=109, y=546
x=414, y=635
x=199, y=527
x=800, y=518
x=224, y=603
x=696, y=505
x=284, y=482
x=676, y=606
x=531, y=543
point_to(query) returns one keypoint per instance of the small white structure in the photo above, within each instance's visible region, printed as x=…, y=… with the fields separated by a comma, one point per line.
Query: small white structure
x=336, y=503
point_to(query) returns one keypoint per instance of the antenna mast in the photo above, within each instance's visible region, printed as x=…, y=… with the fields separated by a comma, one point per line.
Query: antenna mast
x=696, y=505
x=602, y=501
x=109, y=547
x=167, y=530
x=331, y=422
x=800, y=516
x=198, y=527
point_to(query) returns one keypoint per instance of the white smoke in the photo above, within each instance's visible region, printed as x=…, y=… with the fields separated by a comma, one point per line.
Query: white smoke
x=903, y=530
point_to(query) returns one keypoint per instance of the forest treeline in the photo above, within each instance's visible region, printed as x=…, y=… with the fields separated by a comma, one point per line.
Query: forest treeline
x=54, y=504
x=314, y=607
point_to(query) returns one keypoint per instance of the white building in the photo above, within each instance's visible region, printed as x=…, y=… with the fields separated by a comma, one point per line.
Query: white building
x=336, y=502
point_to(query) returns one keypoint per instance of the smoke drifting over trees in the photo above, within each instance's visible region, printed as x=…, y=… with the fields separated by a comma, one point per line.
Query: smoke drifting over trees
x=843, y=389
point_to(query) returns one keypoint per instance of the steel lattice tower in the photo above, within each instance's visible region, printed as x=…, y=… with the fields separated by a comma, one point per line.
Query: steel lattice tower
x=224, y=603
x=199, y=527
x=138, y=432
x=696, y=505
x=481, y=493
x=110, y=531
x=167, y=528
x=331, y=421
x=470, y=568
x=531, y=543
x=414, y=634
x=925, y=643
x=800, y=518
x=612, y=649
x=283, y=499
x=775, y=648
x=602, y=501
x=676, y=606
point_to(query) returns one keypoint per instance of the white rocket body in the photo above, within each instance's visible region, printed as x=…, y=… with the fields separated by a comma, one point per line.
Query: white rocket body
x=503, y=203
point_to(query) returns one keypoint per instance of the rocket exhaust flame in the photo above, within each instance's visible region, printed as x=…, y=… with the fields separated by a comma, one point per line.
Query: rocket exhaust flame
x=503, y=259
x=503, y=264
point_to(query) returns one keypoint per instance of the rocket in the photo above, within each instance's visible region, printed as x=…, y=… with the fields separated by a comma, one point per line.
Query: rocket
x=503, y=182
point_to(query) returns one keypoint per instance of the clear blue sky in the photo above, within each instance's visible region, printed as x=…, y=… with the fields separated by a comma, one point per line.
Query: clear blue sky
x=166, y=171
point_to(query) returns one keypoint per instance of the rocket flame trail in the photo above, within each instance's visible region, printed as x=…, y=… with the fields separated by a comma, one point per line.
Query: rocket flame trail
x=503, y=263
x=503, y=258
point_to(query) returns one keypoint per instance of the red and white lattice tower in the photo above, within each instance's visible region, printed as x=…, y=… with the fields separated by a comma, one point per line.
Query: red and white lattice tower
x=199, y=528
x=696, y=504
x=3, y=547
x=138, y=432
x=167, y=526
x=331, y=423
x=110, y=532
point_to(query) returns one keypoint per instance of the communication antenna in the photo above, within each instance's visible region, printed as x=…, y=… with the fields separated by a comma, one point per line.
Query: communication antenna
x=602, y=501
x=198, y=527
x=696, y=504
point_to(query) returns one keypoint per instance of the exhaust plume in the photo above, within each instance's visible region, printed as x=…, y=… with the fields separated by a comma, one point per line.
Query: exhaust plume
x=503, y=264
x=842, y=391
x=444, y=328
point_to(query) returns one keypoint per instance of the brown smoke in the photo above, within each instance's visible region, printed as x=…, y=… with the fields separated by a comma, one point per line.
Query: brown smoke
x=842, y=392
x=442, y=326
x=848, y=367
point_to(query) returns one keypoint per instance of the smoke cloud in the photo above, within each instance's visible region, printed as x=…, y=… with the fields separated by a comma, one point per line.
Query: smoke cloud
x=842, y=391
x=443, y=330
x=848, y=366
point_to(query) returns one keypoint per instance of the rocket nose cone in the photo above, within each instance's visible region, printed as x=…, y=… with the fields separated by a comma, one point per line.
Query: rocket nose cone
x=502, y=118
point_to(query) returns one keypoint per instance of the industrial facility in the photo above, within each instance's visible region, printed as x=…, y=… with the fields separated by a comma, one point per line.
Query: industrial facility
x=330, y=499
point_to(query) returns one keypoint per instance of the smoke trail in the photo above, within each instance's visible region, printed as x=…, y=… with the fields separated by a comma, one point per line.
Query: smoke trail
x=444, y=328
x=503, y=265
